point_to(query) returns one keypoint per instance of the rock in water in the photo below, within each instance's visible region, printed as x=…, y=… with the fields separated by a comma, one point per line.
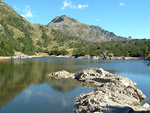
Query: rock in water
x=113, y=93
x=100, y=76
x=62, y=74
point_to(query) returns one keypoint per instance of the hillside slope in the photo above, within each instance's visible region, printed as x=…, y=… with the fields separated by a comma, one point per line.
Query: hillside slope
x=86, y=32
x=63, y=35
x=16, y=33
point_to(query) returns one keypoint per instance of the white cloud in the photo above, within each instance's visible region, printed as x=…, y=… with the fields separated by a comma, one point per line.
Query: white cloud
x=66, y=4
x=122, y=4
x=27, y=13
x=82, y=6
x=69, y=4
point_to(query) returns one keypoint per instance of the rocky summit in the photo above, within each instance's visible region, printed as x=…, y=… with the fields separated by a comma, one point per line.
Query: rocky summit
x=86, y=32
x=113, y=93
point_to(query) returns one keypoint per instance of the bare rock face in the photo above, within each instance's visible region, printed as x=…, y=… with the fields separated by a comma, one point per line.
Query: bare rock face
x=19, y=55
x=104, y=98
x=62, y=74
x=100, y=76
x=114, y=94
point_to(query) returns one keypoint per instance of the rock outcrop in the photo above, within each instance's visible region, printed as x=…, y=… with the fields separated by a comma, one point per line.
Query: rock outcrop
x=1, y=28
x=106, y=56
x=19, y=55
x=62, y=74
x=113, y=93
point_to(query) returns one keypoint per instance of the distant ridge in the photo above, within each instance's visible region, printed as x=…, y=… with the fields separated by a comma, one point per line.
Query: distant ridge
x=85, y=32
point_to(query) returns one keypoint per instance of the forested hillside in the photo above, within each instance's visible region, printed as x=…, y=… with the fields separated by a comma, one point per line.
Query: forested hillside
x=17, y=34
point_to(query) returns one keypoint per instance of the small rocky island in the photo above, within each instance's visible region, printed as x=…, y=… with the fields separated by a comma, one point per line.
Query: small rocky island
x=113, y=93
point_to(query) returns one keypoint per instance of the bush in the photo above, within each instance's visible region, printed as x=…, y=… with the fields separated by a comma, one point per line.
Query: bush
x=58, y=52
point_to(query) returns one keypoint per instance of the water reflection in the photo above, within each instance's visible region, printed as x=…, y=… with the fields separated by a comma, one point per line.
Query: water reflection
x=26, y=88
x=63, y=85
x=17, y=75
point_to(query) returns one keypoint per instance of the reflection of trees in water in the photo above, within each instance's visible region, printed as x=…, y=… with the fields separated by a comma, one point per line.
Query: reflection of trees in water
x=63, y=85
x=16, y=75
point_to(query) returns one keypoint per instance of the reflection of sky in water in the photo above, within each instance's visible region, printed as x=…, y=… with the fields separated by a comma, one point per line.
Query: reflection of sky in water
x=38, y=94
x=43, y=99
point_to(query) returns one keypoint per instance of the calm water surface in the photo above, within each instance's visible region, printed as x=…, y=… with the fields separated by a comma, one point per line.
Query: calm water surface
x=26, y=88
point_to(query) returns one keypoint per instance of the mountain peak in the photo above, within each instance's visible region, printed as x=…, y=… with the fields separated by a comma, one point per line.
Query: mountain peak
x=86, y=32
x=63, y=18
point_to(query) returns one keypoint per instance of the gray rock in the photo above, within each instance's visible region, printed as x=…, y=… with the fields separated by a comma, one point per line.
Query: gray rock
x=1, y=28
x=19, y=55
x=146, y=105
x=87, y=57
x=94, y=57
x=62, y=74
x=102, y=76
x=113, y=93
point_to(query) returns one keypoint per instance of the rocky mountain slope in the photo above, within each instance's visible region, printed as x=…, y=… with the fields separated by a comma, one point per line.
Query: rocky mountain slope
x=85, y=32
x=62, y=33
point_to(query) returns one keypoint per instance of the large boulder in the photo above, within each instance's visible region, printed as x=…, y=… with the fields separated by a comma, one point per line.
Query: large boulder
x=100, y=76
x=109, y=96
x=113, y=93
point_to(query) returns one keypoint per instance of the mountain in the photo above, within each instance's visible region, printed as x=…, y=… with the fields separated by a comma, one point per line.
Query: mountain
x=16, y=33
x=63, y=35
x=86, y=32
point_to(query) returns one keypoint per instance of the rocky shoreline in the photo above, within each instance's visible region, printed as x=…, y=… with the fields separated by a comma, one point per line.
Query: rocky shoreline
x=108, y=58
x=113, y=93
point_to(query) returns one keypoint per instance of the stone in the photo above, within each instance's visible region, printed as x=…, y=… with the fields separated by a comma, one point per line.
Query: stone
x=61, y=74
x=112, y=94
x=102, y=76
x=1, y=28
x=146, y=105
x=19, y=55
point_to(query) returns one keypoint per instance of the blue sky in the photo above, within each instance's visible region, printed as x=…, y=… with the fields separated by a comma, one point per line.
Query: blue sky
x=123, y=17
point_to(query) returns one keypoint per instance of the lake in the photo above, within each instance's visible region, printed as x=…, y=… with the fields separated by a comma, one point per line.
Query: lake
x=26, y=88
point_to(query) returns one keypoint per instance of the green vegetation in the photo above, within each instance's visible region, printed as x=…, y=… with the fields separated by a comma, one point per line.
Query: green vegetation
x=133, y=48
x=8, y=44
x=17, y=34
x=57, y=52
x=60, y=37
x=45, y=37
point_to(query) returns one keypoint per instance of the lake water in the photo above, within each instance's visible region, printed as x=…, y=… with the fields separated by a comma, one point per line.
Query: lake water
x=26, y=88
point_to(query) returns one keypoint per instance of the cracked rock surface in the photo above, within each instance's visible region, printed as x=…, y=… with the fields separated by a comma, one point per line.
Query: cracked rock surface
x=113, y=93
